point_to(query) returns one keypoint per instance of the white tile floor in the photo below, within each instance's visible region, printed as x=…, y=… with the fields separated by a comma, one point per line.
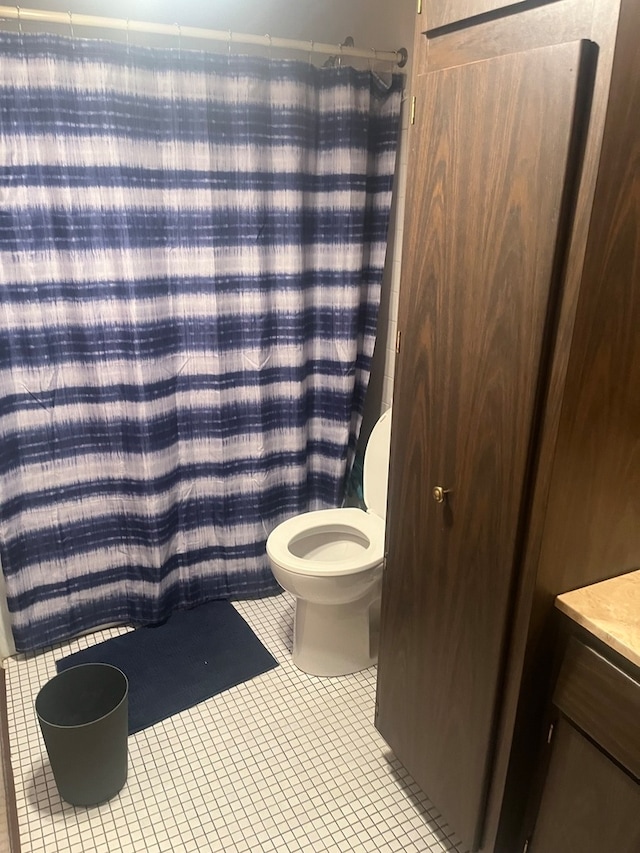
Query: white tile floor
x=285, y=762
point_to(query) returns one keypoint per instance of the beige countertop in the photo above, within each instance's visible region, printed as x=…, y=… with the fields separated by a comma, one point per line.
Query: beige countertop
x=610, y=610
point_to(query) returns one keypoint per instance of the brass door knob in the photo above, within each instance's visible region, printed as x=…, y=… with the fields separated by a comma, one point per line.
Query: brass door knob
x=439, y=494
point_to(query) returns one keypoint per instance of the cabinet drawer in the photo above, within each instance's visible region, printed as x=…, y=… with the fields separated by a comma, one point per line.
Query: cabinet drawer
x=441, y=13
x=601, y=700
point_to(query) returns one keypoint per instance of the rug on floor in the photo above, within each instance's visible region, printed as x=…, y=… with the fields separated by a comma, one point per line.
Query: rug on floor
x=189, y=658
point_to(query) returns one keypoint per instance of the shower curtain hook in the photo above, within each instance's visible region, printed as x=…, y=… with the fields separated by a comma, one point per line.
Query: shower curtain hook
x=179, y=39
x=267, y=36
x=348, y=42
x=229, y=43
x=127, y=35
x=19, y=20
x=375, y=59
x=70, y=13
x=311, y=45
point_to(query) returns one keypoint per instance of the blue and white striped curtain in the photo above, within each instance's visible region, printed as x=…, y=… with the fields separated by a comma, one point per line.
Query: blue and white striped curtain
x=191, y=249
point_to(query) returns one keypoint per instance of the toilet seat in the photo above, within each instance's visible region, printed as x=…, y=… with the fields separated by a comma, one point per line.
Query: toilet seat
x=355, y=523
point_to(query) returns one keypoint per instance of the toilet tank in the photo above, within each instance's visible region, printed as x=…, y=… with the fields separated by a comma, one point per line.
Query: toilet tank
x=375, y=478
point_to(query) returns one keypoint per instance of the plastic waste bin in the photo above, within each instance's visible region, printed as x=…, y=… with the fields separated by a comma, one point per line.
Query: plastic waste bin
x=83, y=716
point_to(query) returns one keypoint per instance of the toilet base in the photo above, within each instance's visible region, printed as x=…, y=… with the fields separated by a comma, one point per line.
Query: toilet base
x=336, y=639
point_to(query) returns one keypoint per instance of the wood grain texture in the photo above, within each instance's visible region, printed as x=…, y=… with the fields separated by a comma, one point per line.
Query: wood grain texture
x=531, y=640
x=556, y=23
x=441, y=13
x=586, y=514
x=601, y=700
x=589, y=805
x=593, y=518
x=492, y=144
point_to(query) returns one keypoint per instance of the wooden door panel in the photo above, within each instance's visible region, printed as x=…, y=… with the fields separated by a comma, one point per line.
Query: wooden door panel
x=441, y=13
x=487, y=192
x=588, y=805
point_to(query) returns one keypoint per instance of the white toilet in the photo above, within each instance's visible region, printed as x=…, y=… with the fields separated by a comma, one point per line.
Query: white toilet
x=331, y=560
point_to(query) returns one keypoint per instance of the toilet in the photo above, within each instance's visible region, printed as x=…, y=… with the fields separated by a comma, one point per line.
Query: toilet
x=331, y=561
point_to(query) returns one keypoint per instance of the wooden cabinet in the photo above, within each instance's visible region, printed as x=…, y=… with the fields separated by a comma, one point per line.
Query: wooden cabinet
x=590, y=801
x=518, y=384
x=589, y=804
x=489, y=211
x=448, y=13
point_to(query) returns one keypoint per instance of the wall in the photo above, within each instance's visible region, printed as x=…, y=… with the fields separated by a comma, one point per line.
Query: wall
x=385, y=24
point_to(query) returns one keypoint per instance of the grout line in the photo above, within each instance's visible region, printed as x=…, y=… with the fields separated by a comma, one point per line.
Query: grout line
x=284, y=762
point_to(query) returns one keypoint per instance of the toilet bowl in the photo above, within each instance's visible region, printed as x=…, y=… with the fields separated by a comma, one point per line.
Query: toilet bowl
x=331, y=561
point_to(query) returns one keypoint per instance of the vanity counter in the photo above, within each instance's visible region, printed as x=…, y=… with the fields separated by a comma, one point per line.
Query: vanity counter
x=610, y=610
x=589, y=795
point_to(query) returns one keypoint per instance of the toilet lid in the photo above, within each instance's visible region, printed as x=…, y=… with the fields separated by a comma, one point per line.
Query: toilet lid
x=375, y=477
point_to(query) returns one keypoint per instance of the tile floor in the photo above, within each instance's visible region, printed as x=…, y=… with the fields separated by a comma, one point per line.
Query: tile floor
x=285, y=762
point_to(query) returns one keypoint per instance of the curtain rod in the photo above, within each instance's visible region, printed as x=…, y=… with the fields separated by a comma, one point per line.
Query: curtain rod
x=72, y=20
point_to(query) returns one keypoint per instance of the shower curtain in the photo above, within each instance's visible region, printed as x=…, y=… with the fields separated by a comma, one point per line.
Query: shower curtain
x=191, y=248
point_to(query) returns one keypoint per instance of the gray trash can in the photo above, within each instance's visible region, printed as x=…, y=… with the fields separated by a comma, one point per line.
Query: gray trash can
x=83, y=716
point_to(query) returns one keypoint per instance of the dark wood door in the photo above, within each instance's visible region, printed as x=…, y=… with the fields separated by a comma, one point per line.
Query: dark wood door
x=491, y=182
x=589, y=805
x=441, y=13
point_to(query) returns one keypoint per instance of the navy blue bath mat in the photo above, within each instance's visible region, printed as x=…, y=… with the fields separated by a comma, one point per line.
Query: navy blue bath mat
x=189, y=658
